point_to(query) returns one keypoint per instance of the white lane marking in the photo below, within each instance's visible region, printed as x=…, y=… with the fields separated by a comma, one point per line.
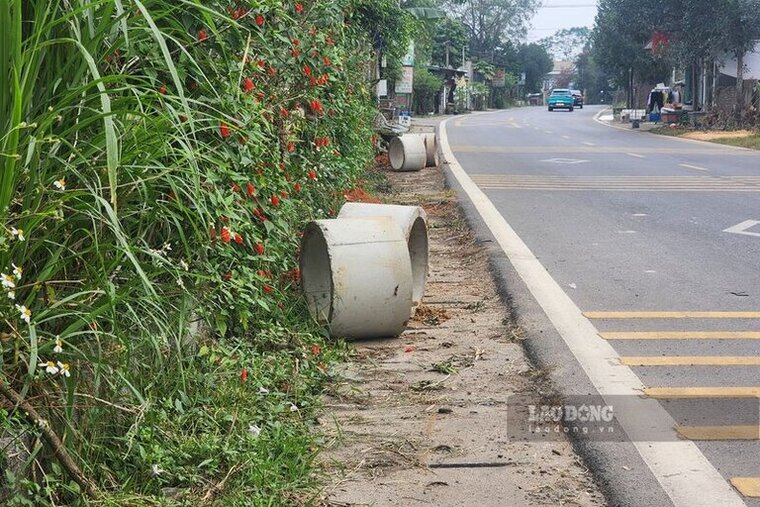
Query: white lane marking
x=677, y=465
x=641, y=214
x=635, y=155
x=588, y=143
x=626, y=232
x=566, y=137
x=567, y=161
x=695, y=167
x=743, y=227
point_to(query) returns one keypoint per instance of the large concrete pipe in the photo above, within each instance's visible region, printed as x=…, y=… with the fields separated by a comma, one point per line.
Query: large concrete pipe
x=407, y=152
x=356, y=276
x=431, y=150
x=413, y=223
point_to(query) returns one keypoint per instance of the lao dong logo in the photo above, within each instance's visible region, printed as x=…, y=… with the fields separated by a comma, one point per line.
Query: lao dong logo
x=547, y=414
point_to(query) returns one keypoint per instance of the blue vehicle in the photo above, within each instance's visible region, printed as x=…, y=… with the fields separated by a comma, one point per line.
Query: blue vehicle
x=561, y=98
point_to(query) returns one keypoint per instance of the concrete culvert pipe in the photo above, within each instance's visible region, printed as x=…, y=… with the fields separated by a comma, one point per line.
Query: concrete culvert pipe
x=431, y=150
x=356, y=276
x=413, y=223
x=407, y=152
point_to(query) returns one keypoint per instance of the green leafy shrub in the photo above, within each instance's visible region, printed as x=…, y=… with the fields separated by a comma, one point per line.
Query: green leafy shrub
x=159, y=159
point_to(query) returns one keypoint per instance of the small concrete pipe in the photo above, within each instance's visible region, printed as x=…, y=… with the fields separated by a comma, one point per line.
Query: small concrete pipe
x=413, y=223
x=356, y=276
x=407, y=152
x=431, y=150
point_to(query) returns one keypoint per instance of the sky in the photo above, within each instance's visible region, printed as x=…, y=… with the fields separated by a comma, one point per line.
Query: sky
x=558, y=14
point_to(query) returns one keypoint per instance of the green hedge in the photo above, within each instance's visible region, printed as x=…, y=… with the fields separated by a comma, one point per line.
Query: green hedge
x=159, y=159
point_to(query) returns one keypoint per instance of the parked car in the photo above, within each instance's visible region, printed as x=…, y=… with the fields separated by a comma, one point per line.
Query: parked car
x=577, y=98
x=561, y=98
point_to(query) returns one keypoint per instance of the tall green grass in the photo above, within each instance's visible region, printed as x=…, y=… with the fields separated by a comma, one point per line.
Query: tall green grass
x=124, y=102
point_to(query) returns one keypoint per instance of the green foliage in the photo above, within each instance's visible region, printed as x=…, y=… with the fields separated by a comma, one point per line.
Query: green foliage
x=159, y=159
x=426, y=85
x=567, y=43
x=449, y=33
x=536, y=63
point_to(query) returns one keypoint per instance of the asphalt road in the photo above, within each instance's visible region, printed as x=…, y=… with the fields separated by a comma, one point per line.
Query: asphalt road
x=657, y=241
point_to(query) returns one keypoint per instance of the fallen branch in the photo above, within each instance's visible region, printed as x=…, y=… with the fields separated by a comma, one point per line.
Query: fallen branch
x=64, y=458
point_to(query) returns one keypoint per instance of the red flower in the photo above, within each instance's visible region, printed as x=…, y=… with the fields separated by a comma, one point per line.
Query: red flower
x=251, y=189
x=259, y=19
x=313, y=82
x=259, y=248
x=261, y=63
x=262, y=273
x=316, y=106
x=284, y=112
x=244, y=375
x=312, y=175
x=275, y=200
x=248, y=85
x=283, y=194
x=297, y=187
x=271, y=71
x=212, y=234
x=238, y=239
x=225, y=234
x=235, y=187
x=326, y=60
x=291, y=147
x=224, y=130
x=295, y=53
x=227, y=276
x=268, y=289
x=260, y=214
x=315, y=349
x=307, y=70
x=299, y=8
x=296, y=42
x=202, y=35
x=162, y=89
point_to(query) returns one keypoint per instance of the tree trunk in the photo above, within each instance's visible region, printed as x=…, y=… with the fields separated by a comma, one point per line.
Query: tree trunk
x=739, y=106
x=715, y=76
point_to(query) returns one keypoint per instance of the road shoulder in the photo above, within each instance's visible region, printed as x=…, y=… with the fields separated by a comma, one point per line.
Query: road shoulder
x=422, y=418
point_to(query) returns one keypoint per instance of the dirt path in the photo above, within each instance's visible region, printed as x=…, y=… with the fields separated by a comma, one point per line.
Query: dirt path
x=421, y=419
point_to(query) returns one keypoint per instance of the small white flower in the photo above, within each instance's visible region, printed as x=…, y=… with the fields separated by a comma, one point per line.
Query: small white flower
x=26, y=313
x=8, y=281
x=254, y=430
x=12, y=295
x=19, y=233
x=167, y=247
x=293, y=407
x=58, y=345
x=60, y=184
x=18, y=271
x=156, y=470
x=50, y=367
x=64, y=367
x=180, y=283
x=184, y=265
x=263, y=391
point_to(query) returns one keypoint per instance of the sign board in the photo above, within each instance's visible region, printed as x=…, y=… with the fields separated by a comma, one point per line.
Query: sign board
x=522, y=79
x=499, y=78
x=406, y=82
x=408, y=60
x=405, y=121
x=382, y=88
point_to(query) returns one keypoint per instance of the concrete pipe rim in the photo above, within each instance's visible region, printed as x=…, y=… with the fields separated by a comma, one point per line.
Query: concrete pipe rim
x=316, y=274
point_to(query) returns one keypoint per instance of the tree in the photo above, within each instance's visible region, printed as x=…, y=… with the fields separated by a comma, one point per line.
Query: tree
x=488, y=23
x=740, y=29
x=591, y=78
x=535, y=63
x=568, y=43
x=450, y=37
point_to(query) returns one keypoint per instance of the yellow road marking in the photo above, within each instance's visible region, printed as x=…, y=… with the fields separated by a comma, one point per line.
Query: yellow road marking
x=747, y=486
x=672, y=315
x=701, y=392
x=719, y=432
x=681, y=335
x=691, y=360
